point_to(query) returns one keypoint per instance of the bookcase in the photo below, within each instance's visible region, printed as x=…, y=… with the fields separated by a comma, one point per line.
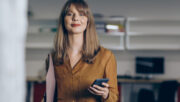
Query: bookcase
x=136, y=34
x=111, y=32
x=41, y=33
x=153, y=34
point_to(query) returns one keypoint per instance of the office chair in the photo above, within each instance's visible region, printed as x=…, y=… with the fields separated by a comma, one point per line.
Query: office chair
x=146, y=95
x=167, y=91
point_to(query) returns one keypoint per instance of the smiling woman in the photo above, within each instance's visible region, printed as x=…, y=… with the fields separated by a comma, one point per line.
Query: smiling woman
x=73, y=12
x=79, y=60
x=75, y=21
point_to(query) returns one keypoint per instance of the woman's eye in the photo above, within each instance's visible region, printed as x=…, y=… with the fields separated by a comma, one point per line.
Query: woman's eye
x=81, y=14
x=69, y=14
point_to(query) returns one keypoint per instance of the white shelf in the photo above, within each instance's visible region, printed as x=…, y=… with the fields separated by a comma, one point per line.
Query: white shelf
x=113, y=47
x=111, y=40
x=43, y=40
x=39, y=46
x=111, y=34
x=154, y=48
x=152, y=42
x=41, y=33
x=151, y=19
x=153, y=34
x=140, y=34
x=155, y=26
x=43, y=22
x=107, y=19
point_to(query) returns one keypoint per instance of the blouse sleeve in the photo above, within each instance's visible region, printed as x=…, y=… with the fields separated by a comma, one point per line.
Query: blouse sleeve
x=111, y=73
x=50, y=81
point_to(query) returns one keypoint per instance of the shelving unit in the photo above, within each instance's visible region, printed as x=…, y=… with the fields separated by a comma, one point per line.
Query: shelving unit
x=139, y=34
x=113, y=40
x=153, y=34
x=40, y=34
x=39, y=43
x=40, y=40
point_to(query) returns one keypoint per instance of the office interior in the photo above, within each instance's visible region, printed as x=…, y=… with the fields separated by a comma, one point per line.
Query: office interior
x=149, y=29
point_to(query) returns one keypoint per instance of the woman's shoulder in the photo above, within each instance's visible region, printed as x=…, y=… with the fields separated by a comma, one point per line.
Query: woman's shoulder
x=106, y=53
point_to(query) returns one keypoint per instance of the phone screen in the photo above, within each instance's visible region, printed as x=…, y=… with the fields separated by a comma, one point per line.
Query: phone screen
x=100, y=81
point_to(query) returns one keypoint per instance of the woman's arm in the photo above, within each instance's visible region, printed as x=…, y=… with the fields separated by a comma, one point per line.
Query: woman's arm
x=109, y=92
x=111, y=73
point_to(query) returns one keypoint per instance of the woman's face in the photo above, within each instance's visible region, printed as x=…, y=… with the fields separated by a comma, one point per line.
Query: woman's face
x=75, y=21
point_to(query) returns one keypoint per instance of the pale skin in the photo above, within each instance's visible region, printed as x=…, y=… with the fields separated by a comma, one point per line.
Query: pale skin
x=76, y=23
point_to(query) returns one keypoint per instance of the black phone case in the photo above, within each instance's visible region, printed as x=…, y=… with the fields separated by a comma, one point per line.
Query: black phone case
x=100, y=81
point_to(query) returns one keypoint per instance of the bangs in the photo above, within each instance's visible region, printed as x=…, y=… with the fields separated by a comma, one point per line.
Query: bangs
x=81, y=7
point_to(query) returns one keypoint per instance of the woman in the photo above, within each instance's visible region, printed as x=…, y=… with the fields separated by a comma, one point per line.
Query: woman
x=78, y=59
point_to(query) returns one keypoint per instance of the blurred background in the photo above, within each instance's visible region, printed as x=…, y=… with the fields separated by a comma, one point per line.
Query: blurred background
x=144, y=35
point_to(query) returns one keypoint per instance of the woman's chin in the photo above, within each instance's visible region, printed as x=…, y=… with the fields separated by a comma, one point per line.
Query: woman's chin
x=77, y=32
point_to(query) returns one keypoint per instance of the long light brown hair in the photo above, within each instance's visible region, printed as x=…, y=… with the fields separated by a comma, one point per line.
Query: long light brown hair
x=90, y=43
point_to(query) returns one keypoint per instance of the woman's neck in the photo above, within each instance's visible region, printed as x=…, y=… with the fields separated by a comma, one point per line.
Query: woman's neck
x=76, y=43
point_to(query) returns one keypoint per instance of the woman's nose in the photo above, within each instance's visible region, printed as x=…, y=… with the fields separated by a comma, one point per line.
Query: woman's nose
x=75, y=17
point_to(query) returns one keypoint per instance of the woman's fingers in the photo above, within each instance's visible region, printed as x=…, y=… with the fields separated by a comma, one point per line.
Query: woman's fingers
x=105, y=84
x=101, y=91
x=95, y=91
x=98, y=87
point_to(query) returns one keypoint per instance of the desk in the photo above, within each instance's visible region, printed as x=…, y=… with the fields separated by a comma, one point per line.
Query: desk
x=143, y=81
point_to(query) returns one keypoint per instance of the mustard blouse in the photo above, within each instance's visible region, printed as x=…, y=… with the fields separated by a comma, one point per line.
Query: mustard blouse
x=72, y=83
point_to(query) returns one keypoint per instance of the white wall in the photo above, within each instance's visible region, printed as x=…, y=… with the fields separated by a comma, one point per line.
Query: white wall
x=13, y=27
x=126, y=62
x=136, y=8
x=50, y=9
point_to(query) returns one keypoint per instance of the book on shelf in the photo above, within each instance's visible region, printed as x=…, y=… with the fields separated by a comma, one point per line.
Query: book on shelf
x=100, y=27
x=36, y=29
x=114, y=28
x=51, y=30
x=103, y=28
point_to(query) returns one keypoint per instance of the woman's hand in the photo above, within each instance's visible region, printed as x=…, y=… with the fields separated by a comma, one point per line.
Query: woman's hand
x=101, y=91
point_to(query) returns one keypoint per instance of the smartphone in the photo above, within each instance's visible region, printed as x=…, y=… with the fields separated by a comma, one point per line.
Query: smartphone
x=100, y=81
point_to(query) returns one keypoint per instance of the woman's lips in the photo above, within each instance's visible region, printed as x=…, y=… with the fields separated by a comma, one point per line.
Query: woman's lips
x=75, y=25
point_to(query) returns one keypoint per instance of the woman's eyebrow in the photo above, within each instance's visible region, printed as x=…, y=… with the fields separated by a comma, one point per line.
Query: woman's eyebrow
x=69, y=11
